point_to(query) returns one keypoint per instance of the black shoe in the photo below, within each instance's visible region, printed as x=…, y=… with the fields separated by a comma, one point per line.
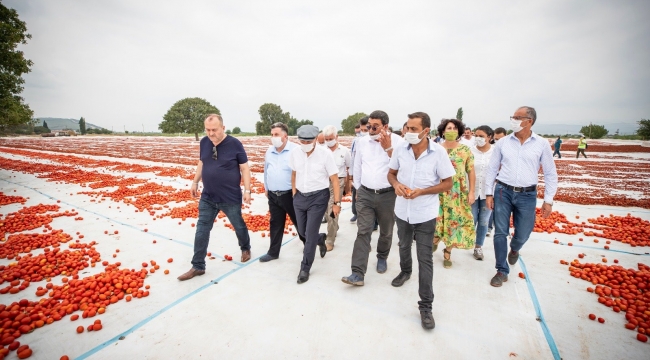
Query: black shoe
x=401, y=279
x=375, y=227
x=427, y=320
x=381, y=266
x=321, y=244
x=303, y=277
x=267, y=257
x=513, y=256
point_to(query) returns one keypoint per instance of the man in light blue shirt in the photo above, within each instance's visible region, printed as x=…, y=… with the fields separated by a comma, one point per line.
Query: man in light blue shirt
x=511, y=187
x=418, y=170
x=277, y=182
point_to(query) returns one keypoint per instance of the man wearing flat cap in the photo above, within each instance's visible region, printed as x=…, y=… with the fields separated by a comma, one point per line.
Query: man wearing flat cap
x=313, y=168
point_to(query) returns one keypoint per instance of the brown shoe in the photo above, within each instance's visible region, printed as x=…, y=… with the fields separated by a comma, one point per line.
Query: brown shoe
x=330, y=247
x=245, y=255
x=190, y=274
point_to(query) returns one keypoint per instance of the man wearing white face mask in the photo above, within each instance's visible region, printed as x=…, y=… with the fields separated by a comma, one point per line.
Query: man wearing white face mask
x=313, y=169
x=343, y=162
x=277, y=182
x=517, y=158
x=375, y=196
x=419, y=170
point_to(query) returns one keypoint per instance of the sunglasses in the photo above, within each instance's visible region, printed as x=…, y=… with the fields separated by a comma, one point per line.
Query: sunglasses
x=375, y=128
x=214, y=152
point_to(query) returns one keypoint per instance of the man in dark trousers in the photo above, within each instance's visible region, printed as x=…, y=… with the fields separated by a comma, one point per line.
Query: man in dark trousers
x=222, y=166
x=277, y=182
x=375, y=196
x=313, y=169
x=556, y=147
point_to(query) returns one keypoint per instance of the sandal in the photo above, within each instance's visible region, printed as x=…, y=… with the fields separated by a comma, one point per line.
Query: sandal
x=435, y=245
x=447, y=259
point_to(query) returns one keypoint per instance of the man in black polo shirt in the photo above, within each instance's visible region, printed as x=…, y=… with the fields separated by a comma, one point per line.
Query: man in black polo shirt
x=222, y=165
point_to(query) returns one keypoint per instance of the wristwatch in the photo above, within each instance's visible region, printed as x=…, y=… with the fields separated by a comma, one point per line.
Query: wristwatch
x=389, y=149
x=337, y=203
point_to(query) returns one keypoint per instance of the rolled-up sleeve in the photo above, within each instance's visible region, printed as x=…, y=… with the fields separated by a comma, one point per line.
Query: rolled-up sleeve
x=550, y=175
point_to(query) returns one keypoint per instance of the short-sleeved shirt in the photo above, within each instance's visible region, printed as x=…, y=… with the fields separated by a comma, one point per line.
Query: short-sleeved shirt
x=428, y=170
x=313, y=172
x=277, y=172
x=222, y=177
x=558, y=143
x=342, y=159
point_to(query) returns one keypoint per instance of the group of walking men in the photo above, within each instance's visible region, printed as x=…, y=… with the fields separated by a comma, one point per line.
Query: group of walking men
x=393, y=180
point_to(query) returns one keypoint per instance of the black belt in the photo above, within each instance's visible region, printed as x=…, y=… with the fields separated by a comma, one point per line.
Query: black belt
x=378, y=191
x=311, y=193
x=279, y=193
x=518, y=188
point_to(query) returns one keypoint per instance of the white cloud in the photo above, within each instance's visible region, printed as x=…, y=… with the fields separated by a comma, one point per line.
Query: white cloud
x=125, y=63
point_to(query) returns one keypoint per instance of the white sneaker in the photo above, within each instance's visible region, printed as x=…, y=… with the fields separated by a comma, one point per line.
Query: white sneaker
x=478, y=253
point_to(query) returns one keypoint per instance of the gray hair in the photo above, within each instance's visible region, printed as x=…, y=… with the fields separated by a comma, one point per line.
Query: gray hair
x=329, y=130
x=214, y=116
x=530, y=111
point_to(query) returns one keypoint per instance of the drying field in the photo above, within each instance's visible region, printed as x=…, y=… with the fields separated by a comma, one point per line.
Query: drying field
x=95, y=231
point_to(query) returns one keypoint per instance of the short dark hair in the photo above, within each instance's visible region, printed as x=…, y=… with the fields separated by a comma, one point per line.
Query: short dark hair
x=281, y=126
x=530, y=111
x=500, y=130
x=364, y=121
x=357, y=126
x=398, y=132
x=381, y=115
x=424, y=118
x=459, y=125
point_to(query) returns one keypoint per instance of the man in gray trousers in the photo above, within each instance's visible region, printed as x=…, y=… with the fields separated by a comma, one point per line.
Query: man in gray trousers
x=313, y=168
x=375, y=196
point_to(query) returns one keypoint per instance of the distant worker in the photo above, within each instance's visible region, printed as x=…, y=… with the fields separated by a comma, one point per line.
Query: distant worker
x=222, y=166
x=582, y=146
x=556, y=147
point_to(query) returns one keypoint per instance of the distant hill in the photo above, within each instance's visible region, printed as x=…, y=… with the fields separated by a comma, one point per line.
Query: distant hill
x=64, y=124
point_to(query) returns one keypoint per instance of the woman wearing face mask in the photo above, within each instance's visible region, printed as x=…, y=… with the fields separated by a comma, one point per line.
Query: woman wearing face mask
x=482, y=152
x=455, y=225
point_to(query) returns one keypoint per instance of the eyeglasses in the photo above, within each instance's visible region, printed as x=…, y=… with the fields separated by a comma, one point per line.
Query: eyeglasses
x=374, y=128
x=214, y=152
x=519, y=117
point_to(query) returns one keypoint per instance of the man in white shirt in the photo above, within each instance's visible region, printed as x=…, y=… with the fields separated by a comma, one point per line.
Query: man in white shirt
x=517, y=158
x=313, y=169
x=419, y=170
x=363, y=131
x=467, y=138
x=375, y=196
x=343, y=161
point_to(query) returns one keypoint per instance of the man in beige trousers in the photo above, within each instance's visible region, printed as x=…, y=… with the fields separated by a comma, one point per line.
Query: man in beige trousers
x=343, y=160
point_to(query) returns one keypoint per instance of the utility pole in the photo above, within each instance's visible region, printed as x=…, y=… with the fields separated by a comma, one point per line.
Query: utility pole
x=590, y=130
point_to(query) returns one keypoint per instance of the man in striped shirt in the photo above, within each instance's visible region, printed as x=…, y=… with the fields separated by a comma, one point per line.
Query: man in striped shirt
x=513, y=167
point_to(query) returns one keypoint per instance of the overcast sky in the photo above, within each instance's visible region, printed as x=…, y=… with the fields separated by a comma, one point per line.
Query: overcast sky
x=125, y=63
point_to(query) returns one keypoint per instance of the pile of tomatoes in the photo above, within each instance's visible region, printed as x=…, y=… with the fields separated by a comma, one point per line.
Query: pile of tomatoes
x=621, y=289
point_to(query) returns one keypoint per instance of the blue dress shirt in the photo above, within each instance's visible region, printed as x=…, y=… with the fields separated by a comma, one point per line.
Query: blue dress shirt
x=277, y=172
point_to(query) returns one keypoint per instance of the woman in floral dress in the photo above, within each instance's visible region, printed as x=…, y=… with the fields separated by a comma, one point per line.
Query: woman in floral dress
x=455, y=224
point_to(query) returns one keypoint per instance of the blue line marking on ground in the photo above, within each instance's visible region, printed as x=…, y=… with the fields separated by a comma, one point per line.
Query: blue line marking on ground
x=164, y=309
x=538, y=311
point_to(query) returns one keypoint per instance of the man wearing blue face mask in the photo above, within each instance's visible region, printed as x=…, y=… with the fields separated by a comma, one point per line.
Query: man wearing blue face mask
x=517, y=158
